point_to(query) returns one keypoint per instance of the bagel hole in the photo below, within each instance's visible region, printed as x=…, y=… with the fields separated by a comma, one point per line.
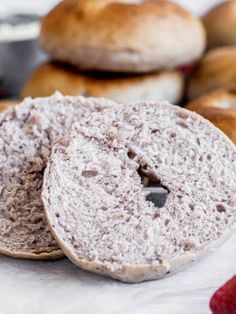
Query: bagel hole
x=155, y=191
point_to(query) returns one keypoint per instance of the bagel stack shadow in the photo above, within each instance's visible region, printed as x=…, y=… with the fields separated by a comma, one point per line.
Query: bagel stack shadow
x=212, y=84
x=120, y=50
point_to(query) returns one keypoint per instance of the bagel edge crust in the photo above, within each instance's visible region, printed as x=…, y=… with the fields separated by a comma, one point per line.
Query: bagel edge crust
x=34, y=256
x=138, y=273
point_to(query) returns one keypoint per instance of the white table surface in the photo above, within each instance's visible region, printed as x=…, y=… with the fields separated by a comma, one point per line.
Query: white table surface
x=59, y=287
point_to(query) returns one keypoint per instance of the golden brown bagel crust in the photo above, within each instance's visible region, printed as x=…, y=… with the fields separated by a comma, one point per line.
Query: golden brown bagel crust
x=220, y=24
x=217, y=70
x=220, y=108
x=51, y=77
x=122, y=35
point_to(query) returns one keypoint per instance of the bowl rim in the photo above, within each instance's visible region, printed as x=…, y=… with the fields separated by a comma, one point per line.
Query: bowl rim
x=18, y=32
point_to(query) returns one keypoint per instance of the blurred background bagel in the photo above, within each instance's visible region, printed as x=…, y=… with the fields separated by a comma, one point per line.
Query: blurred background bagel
x=216, y=70
x=220, y=24
x=219, y=107
x=54, y=76
x=122, y=35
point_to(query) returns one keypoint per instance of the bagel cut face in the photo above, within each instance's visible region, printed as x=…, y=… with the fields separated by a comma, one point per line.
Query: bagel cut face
x=27, y=133
x=99, y=211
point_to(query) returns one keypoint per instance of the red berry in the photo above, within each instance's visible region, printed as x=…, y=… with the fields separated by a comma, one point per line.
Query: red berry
x=224, y=299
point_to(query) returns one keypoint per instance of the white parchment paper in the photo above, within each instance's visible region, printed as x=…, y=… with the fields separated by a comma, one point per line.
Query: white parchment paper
x=59, y=287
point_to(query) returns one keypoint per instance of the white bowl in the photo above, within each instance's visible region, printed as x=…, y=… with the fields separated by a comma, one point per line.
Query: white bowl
x=19, y=51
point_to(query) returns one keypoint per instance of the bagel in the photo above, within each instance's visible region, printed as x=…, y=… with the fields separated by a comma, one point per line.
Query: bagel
x=220, y=108
x=220, y=25
x=217, y=70
x=122, y=35
x=100, y=213
x=52, y=77
x=27, y=132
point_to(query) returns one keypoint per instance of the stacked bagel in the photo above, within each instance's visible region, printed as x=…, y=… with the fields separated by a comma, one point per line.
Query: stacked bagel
x=123, y=50
x=211, y=86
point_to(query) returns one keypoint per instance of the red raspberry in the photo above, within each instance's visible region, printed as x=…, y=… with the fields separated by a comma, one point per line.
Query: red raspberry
x=224, y=299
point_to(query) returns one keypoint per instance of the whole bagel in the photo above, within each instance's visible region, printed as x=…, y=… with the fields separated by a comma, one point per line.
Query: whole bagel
x=217, y=70
x=51, y=77
x=122, y=35
x=220, y=108
x=220, y=24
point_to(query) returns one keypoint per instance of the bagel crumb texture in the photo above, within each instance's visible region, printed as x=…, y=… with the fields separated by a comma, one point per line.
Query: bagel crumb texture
x=27, y=133
x=97, y=207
